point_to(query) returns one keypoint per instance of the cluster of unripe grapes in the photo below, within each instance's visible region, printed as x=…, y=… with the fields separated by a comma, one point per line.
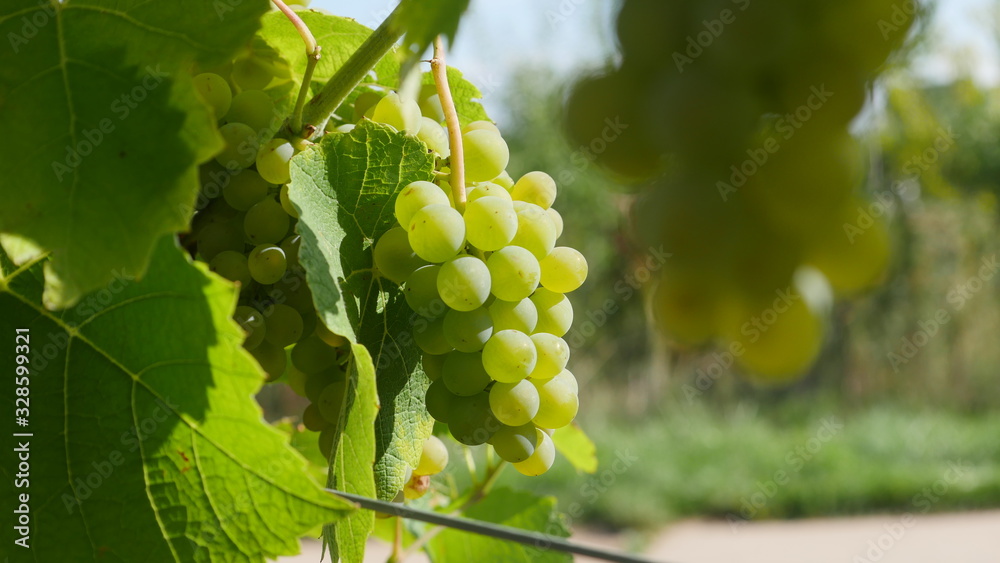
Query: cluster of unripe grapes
x=741, y=111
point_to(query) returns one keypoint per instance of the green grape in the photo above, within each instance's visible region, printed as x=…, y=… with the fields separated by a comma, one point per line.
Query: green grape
x=286, y=203
x=431, y=108
x=326, y=439
x=556, y=219
x=555, y=312
x=284, y=326
x=486, y=155
x=509, y=356
x=851, y=266
x=231, y=265
x=434, y=136
x=421, y=293
x=273, y=161
x=316, y=383
x=250, y=73
x=558, y=402
x=402, y=114
x=266, y=222
x=433, y=457
x=290, y=246
x=245, y=189
x=313, y=420
x=267, y=263
x=393, y=256
x=416, y=487
x=329, y=337
x=490, y=223
x=514, y=404
x=365, y=102
x=345, y=128
x=471, y=421
x=514, y=315
x=567, y=378
x=553, y=355
x=253, y=107
x=535, y=230
x=786, y=349
x=515, y=443
x=481, y=125
x=253, y=325
x=241, y=146
x=504, y=181
x=514, y=272
x=486, y=189
x=296, y=380
x=541, y=459
x=215, y=91
x=563, y=270
x=440, y=401
x=463, y=374
x=535, y=187
x=220, y=237
x=429, y=336
x=313, y=356
x=433, y=365
x=272, y=360
x=416, y=196
x=331, y=401
x=468, y=331
x=464, y=283
x=437, y=233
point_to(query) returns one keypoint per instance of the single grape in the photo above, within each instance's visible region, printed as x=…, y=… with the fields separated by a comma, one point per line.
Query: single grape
x=556, y=219
x=318, y=382
x=365, y=102
x=434, y=136
x=464, y=283
x=555, y=312
x=514, y=315
x=541, y=459
x=250, y=73
x=514, y=404
x=535, y=187
x=245, y=189
x=468, y=331
x=253, y=325
x=488, y=189
x=329, y=337
x=430, y=106
x=433, y=457
x=558, y=402
x=421, y=293
x=553, y=355
x=490, y=223
x=471, y=421
x=535, y=230
x=515, y=443
x=416, y=196
x=266, y=222
x=331, y=401
x=286, y=203
x=272, y=360
x=504, y=181
x=440, y=401
x=402, y=114
x=253, y=107
x=563, y=270
x=394, y=258
x=486, y=155
x=231, y=265
x=313, y=420
x=241, y=146
x=267, y=263
x=437, y=233
x=567, y=378
x=416, y=487
x=787, y=348
x=273, y=160
x=433, y=365
x=291, y=246
x=514, y=273
x=463, y=373
x=429, y=336
x=220, y=237
x=326, y=439
x=313, y=356
x=215, y=91
x=509, y=356
x=284, y=326
x=481, y=125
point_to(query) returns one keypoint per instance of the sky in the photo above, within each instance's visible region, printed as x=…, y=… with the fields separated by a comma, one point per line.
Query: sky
x=497, y=38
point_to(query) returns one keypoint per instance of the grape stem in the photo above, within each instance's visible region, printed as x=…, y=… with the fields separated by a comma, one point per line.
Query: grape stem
x=313, y=51
x=347, y=77
x=440, y=71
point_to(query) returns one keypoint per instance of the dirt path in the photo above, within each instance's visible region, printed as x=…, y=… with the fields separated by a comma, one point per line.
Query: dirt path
x=972, y=537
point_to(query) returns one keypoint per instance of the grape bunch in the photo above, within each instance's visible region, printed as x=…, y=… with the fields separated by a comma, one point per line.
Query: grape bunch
x=739, y=114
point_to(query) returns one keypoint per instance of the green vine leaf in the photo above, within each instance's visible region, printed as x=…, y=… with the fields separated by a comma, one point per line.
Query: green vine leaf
x=345, y=189
x=574, y=444
x=102, y=138
x=426, y=19
x=160, y=435
x=466, y=96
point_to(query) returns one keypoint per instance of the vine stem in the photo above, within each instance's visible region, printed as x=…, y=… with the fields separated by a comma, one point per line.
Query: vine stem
x=313, y=50
x=347, y=77
x=440, y=71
